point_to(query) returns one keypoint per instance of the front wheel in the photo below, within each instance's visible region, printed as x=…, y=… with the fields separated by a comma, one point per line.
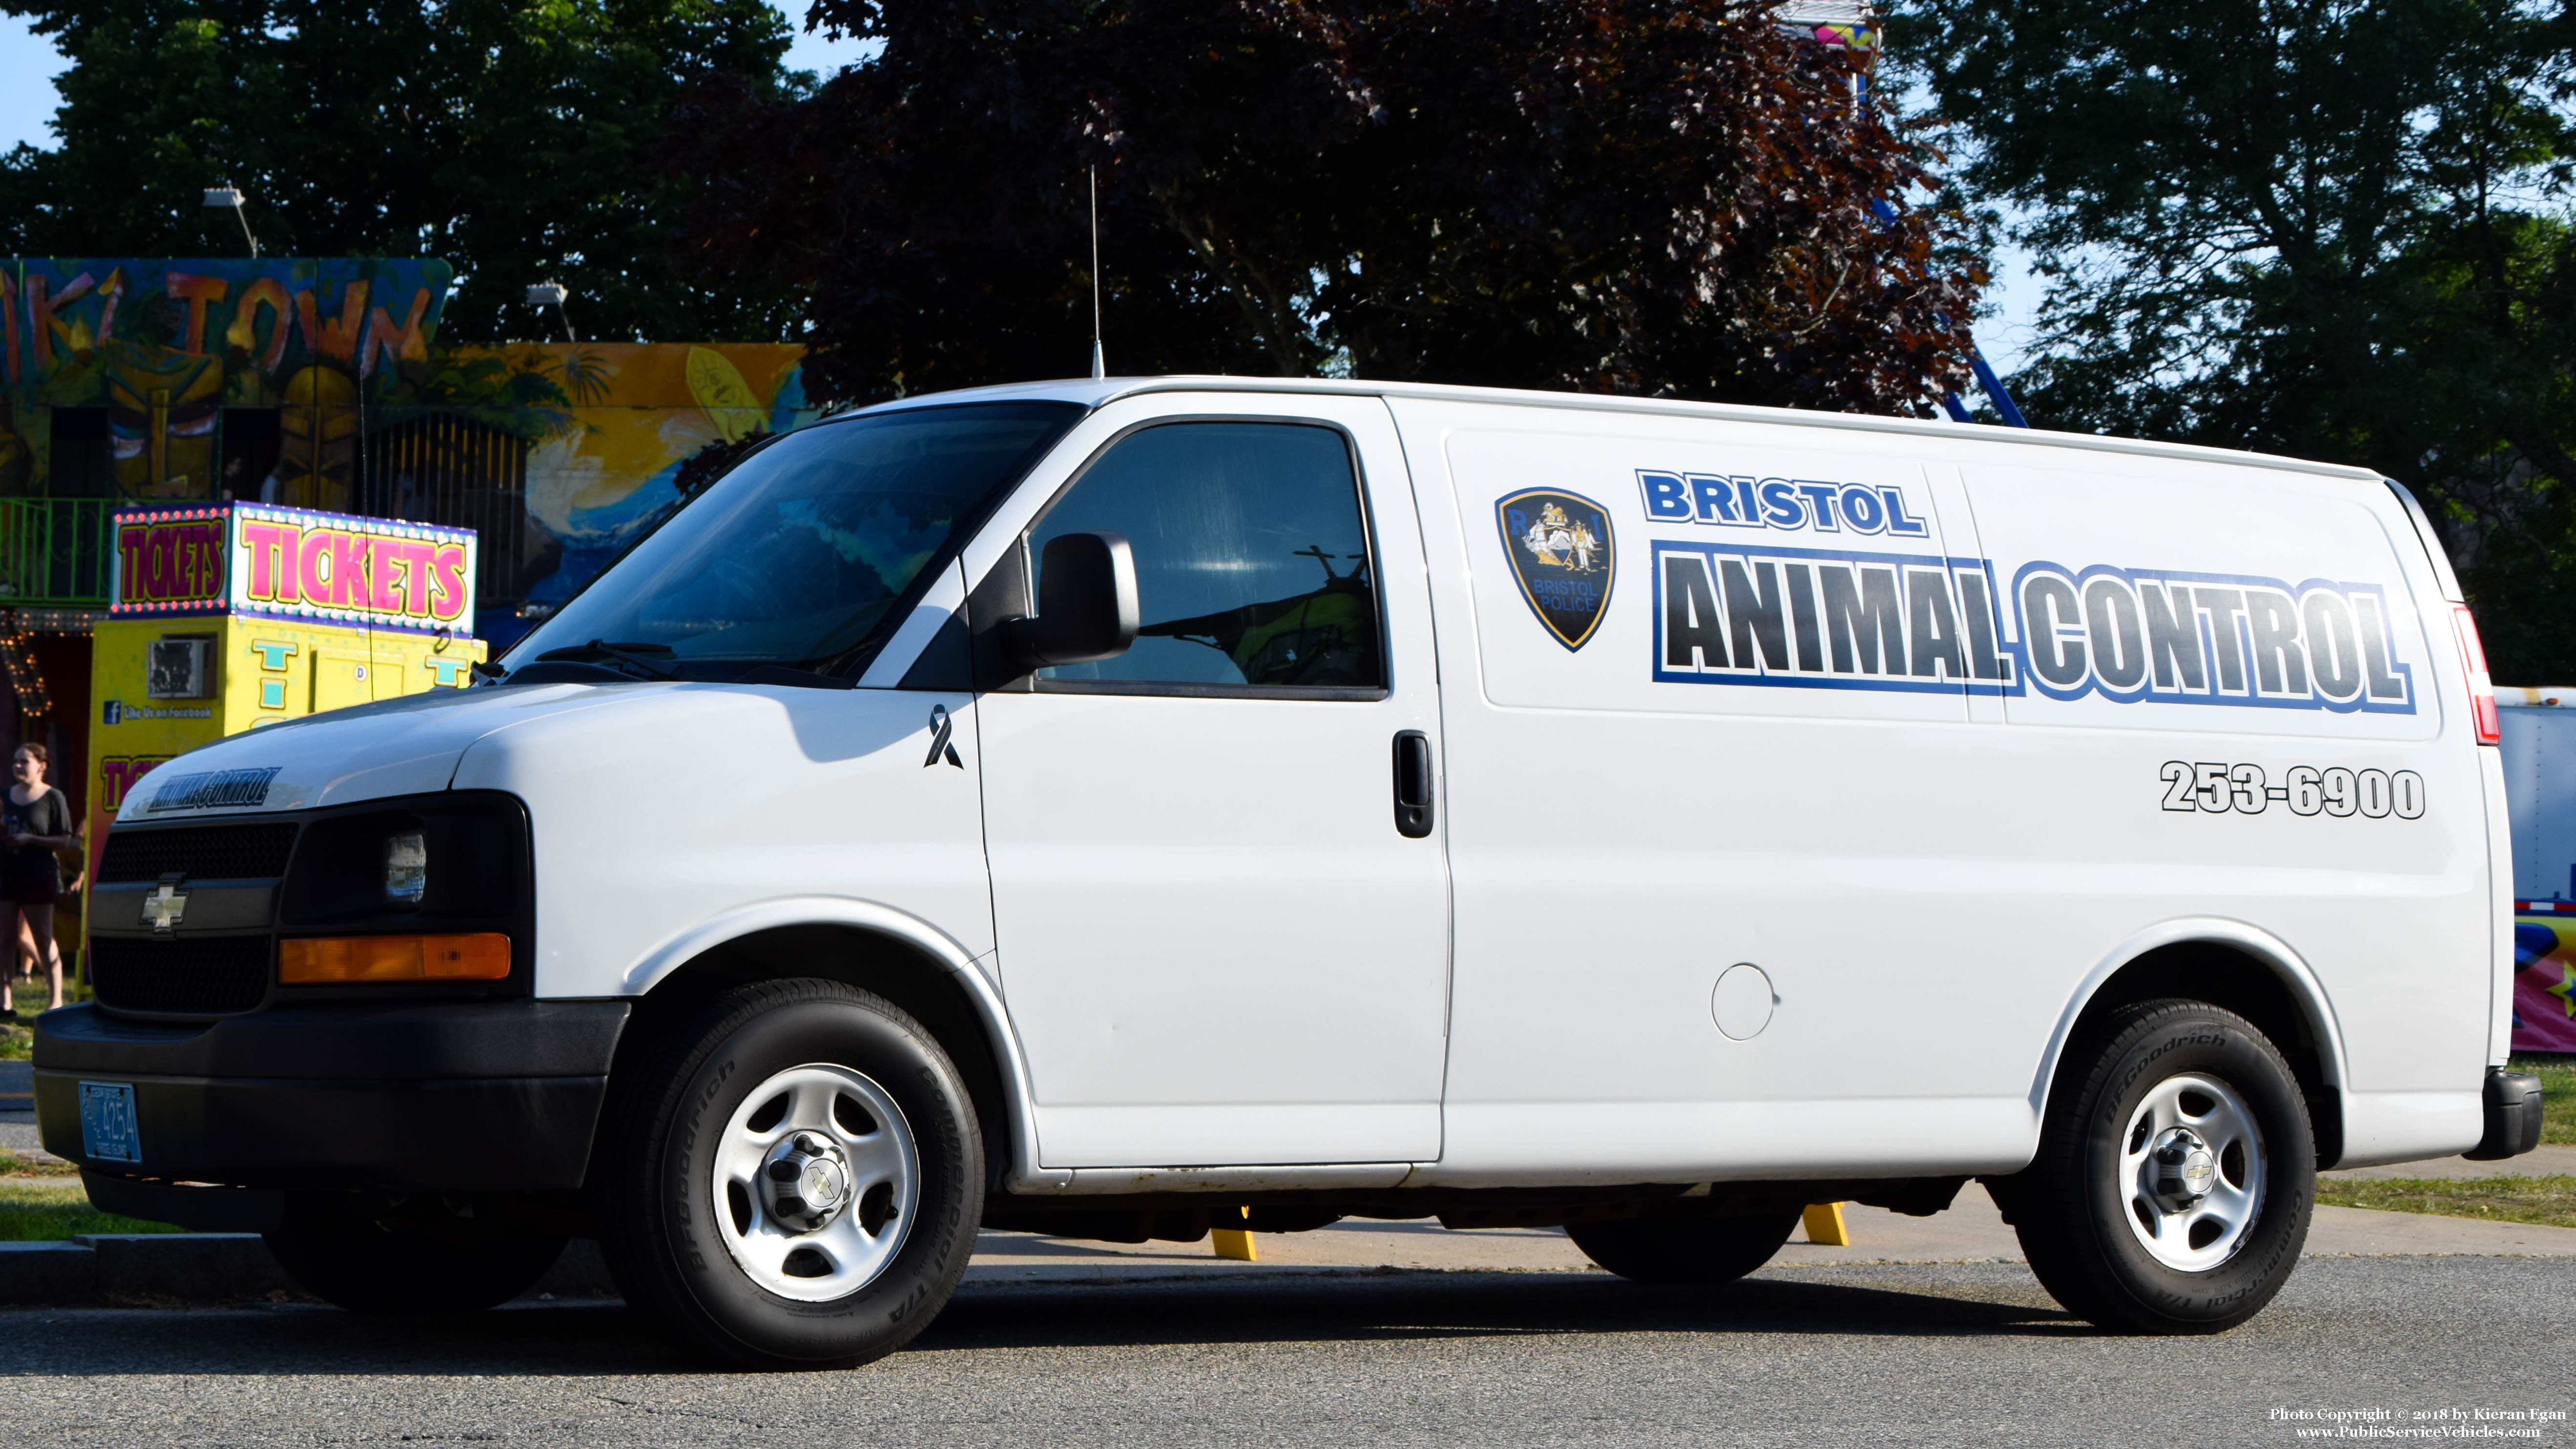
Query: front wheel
x=793, y=1179
x=2175, y=1176
x=1685, y=1251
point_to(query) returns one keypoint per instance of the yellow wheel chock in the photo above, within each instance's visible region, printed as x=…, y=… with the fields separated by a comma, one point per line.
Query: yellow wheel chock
x=1235, y=1243
x=1824, y=1226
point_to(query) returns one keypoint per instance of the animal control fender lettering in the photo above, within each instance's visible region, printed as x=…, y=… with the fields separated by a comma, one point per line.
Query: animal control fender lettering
x=1744, y=612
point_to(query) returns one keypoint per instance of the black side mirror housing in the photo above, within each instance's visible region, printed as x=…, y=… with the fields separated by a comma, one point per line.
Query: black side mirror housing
x=1086, y=602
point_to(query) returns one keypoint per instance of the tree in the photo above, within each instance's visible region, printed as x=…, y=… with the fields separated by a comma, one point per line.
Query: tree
x=2327, y=229
x=514, y=138
x=1668, y=197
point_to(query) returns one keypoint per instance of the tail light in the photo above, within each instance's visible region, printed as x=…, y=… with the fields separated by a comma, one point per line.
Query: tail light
x=2473, y=656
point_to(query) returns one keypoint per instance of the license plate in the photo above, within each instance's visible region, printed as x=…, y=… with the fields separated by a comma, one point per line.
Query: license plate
x=107, y=1122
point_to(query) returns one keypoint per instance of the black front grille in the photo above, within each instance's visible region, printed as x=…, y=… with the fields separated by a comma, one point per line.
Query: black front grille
x=208, y=976
x=206, y=852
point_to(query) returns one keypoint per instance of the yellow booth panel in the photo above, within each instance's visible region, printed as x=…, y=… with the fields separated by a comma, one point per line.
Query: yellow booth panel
x=340, y=679
x=166, y=686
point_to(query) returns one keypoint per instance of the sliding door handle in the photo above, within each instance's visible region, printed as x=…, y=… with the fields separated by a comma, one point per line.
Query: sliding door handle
x=1413, y=784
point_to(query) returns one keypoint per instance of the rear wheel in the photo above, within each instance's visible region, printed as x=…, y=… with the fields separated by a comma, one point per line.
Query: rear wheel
x=1685, y=1250
x=2175, y=1176
x=405, y=1255
x=793, y=1179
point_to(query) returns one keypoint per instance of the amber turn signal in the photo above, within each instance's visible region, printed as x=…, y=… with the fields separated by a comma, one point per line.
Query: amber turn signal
x=482, y=956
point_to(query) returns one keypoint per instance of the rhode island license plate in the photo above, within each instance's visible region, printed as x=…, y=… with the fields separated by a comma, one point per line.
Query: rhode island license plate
x=107, y=1122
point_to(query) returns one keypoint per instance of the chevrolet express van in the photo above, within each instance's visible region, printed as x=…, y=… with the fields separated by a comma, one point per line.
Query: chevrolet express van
x=1107, y=808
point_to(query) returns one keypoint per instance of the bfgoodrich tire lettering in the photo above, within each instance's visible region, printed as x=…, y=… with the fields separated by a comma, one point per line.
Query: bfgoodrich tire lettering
x=657, y=1198
x=2086, y=1227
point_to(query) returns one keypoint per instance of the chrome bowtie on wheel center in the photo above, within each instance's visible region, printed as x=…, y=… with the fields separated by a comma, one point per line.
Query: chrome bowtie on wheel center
x=809, y=1181
x=2191, y=1165
x=2184, y=1168
x=817, y=1178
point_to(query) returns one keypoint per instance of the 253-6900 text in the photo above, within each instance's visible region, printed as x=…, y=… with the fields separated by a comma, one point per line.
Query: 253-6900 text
x=2305, y=789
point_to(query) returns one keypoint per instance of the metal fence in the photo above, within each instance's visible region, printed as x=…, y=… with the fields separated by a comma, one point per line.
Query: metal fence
x=433, y=467
x=57, y=552
x=427, y=467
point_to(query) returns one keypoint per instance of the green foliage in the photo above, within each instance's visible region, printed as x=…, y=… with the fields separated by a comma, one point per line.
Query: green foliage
x=1664, y=197
x=2547, y=1200
x=2557, y=1095
x=51, y=1211
x=2334, y=230
x=514, y=138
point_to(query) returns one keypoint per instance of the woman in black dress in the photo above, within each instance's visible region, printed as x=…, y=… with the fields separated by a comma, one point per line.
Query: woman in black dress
x=36, y=821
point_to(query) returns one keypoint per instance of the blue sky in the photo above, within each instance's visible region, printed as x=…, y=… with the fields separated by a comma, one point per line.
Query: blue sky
x=28, y=63
x=2006, y=337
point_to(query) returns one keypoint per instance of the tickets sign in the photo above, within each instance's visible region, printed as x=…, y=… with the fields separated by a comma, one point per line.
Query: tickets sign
x=290, y=563
x=169, y=562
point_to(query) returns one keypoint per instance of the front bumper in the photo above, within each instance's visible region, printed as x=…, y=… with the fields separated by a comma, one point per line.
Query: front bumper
x=472, y=1096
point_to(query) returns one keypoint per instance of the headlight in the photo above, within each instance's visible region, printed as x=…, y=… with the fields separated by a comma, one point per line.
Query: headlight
x=450, y=862
x=406, y=870
x=432, y=892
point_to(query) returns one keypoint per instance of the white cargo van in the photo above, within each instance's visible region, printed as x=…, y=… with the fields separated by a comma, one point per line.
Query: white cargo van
x=1111, y=807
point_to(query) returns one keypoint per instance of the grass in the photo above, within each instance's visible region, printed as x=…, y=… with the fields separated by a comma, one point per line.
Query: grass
x=26, y=998
x=12, y=1165
x=46, y=1211
x=2558, y=1087
x=17, y=1037
x=2548, y=1200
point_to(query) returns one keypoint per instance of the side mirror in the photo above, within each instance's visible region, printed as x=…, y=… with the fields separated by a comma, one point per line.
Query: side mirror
x=1086, y=602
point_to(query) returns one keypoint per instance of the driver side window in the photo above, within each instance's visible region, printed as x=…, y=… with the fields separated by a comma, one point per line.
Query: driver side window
x=1252, y=563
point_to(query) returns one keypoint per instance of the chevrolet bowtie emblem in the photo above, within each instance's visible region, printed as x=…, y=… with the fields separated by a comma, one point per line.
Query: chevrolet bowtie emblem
x=164, y=907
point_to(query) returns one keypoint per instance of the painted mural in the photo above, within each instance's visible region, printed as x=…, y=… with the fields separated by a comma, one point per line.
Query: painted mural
x=606, y=468
x=163, y=345
x=267, y=391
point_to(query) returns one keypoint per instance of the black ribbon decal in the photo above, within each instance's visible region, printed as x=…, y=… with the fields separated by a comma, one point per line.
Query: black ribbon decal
x=941, y=727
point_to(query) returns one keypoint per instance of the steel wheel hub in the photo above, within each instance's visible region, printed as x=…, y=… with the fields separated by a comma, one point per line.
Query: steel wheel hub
x=809, y=1181
x=817, y=1178
x=2191, y=1170
x=2183, y=1168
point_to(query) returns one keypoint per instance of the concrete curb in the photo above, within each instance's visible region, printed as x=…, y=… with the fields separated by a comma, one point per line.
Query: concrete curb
x=182, y=1270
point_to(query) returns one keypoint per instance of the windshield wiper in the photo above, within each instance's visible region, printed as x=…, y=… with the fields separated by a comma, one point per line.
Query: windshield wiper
x=626, y=654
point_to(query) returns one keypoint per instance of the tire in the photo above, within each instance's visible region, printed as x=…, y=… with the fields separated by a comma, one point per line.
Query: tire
x=373, y=1256
x=2123, y=1242
x=715, y=1140
x=1686, y=1251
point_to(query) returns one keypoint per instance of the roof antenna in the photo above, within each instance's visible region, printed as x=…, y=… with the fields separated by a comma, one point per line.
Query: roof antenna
x=1099, y=367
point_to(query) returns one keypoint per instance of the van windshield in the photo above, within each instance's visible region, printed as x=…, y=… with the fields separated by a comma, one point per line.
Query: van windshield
x=799, y=555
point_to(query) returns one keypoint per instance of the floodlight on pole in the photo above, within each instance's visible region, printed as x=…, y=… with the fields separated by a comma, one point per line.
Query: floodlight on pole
x=229, y=195
x=553, y=294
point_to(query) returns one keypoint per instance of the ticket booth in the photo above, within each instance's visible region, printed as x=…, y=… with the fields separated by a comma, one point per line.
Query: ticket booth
x=226, y=617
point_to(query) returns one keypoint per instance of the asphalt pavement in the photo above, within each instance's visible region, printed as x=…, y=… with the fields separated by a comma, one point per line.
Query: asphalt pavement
x=1936, y=1355
x=1923, y=1331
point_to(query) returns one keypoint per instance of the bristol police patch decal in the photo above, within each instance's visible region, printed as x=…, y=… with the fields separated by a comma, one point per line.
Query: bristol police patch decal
x=1559, y=545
